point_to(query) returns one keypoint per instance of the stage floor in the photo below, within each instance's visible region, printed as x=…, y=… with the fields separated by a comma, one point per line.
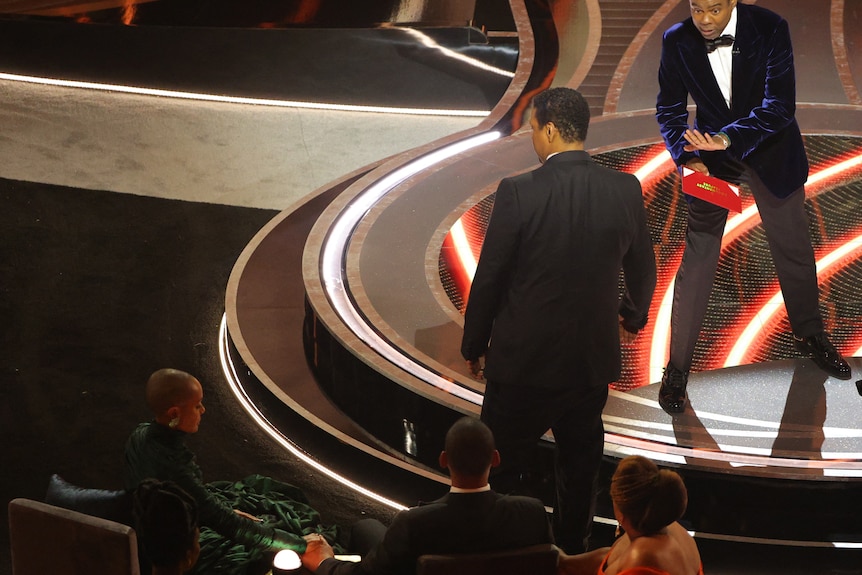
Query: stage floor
x=388, y=257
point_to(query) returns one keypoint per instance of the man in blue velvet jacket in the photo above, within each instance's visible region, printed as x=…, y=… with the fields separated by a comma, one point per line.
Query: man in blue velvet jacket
x=735, y=61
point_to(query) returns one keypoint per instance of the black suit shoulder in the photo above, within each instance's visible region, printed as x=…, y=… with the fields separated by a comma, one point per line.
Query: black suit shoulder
x=463, y=504
x=569, y=162
x=463, y=522
x=681, y=30
x=759, y=15
x=455, y=523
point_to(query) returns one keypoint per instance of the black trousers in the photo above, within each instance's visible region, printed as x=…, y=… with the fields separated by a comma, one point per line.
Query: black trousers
x=519, y=416
x=786, y=224
x=364, y=536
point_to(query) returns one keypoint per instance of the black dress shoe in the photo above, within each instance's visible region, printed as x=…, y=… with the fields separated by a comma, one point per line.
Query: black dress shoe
x=824, y=354
x=672, y=396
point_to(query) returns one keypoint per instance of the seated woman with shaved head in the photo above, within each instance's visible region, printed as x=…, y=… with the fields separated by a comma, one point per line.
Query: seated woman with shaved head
x=234, y=540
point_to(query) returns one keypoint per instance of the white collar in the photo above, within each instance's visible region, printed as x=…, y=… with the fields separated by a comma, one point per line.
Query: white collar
x=731, y=25
x=454, y=489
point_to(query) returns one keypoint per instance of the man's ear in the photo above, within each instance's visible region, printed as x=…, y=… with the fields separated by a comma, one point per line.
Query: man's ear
x=443, y=460
x=495, y=459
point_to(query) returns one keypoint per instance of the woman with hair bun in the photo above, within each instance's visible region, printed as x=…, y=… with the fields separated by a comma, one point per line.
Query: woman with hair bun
x=648, y=502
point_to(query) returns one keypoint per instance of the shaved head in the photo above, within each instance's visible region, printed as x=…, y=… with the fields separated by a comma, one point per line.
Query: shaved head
x=167, y=388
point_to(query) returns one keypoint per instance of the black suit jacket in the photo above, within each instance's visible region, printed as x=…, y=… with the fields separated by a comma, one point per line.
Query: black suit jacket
x=545, y=298
x=761, y=121
x=456, y=523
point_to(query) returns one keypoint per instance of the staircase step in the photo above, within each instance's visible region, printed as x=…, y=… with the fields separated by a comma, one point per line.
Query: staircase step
x=621, y=22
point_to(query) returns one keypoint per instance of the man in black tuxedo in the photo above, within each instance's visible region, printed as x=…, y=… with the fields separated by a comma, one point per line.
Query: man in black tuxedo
x=545, y=310
x=735, y=61
x=469, y=519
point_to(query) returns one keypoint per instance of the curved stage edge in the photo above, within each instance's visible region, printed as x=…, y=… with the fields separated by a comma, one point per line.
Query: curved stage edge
x=771, y=450
x=798, y=441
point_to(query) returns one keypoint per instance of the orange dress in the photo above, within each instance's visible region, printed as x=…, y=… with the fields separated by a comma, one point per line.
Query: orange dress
x=638, y=570
x=644, y=571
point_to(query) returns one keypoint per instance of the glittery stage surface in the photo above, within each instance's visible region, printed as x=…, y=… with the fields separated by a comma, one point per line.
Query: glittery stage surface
x=746, y=321
x=780, y=418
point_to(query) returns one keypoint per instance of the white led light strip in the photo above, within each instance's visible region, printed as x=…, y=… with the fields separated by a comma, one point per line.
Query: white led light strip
x=335, y=246
x=245, y=402
x=660, y=449
x=828, y=432
x=237, y=99
x=429, y=42
x=765, y=314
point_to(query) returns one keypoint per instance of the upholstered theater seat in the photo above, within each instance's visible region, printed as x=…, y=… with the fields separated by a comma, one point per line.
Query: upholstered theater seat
x=48, y=539
x=115, y=505
x=533, y=560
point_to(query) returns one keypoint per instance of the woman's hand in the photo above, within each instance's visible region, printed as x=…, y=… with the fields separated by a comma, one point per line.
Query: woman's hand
x=317, y=551
x=247, y=516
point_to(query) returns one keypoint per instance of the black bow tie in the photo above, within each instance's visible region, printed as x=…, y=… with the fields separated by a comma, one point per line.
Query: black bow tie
x=725, y=40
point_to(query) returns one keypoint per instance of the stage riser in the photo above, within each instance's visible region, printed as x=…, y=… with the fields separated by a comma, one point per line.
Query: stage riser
x=720, y=504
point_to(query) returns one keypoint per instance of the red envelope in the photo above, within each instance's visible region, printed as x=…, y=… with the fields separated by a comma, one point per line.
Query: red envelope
x=711, y=189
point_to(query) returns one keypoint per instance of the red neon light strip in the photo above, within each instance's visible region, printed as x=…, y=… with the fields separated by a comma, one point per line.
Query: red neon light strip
x=735, y=227
x=827, y=266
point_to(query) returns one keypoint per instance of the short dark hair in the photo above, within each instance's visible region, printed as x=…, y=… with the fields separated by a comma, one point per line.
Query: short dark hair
x=651, y=498
x=567, y=109
x=166, y=521
x=469, y=447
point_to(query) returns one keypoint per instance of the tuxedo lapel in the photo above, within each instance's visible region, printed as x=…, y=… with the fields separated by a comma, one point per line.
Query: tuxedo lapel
x=747, y=50
x=693, y=54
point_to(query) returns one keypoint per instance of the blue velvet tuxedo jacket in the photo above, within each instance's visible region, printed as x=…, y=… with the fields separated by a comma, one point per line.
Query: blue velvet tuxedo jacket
x=761, y=120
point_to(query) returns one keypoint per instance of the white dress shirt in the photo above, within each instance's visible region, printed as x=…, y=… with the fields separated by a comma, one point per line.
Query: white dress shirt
x=721, y=60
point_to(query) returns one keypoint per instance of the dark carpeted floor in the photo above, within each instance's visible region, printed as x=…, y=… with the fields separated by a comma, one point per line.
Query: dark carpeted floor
x=98, y=290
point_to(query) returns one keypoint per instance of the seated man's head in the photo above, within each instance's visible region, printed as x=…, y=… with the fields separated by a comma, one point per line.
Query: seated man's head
x=166, y=523
x=469, y=453
x=176, y=399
